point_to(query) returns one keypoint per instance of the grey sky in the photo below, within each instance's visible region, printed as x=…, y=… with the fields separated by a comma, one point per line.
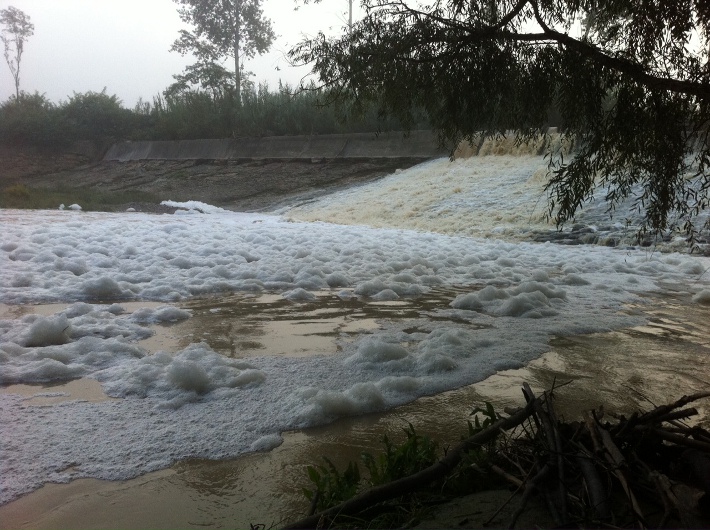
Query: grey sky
x=82, y=45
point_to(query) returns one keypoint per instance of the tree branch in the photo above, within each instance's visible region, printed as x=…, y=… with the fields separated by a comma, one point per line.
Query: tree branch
x=634, y=70
x=422, y=478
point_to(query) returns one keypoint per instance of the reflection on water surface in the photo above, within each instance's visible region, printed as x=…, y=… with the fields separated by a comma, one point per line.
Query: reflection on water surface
x=46, y=395
x=247, y=324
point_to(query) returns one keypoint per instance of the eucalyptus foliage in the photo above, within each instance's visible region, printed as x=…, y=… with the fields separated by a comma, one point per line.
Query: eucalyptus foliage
x=221, y=29
x=630, y=82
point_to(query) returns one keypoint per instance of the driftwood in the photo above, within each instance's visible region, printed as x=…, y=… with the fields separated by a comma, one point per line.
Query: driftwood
x=413, y=482
x=589, y=473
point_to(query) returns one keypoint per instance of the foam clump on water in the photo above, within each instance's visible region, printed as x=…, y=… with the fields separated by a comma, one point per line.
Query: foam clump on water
x=76, y=267
x=299, y=295
x=321, y=406
x=106, y=288
x=267, y=443
x=179, y=378
x=90, y=341
x=22, y=280
x=386, y=295
x=337, y=279
x=193, y=207
x=47, y=331
x=79, y=341
x=380, y=355
x=390, y=289
x=702, y=297
x=146, y=315
x=530, y=299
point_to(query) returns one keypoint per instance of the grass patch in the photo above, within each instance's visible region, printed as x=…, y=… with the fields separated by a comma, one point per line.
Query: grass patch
x=23, y=197
x=331, y=487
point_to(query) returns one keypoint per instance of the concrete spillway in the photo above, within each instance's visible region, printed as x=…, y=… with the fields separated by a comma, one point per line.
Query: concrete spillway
x=419, y=144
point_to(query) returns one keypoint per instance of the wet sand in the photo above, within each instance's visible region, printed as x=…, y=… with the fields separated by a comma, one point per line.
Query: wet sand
x=622, y=370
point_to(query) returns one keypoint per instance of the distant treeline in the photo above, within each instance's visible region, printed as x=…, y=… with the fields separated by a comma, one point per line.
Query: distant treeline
x=33, y=120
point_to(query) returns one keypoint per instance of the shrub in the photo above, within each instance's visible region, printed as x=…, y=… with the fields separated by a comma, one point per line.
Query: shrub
x=31, y=119
x=97, y=116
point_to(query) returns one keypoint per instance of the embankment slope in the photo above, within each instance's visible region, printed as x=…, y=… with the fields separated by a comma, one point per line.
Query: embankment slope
x=240, y=174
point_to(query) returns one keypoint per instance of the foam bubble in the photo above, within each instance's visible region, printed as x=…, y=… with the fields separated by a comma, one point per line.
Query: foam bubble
x=147, y=315
x=702, y=297
x=299, y=295
x=48, y=331
x=104, y=288
x=267, y=443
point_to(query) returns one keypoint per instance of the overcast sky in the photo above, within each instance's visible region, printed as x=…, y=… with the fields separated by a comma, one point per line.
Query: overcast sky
x=123, y=45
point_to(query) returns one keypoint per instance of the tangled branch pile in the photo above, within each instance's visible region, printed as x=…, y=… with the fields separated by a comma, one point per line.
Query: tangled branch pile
x=651, y=470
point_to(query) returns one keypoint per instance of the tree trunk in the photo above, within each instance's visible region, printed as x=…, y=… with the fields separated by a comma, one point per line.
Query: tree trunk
x=350, y=16
x=237, y=35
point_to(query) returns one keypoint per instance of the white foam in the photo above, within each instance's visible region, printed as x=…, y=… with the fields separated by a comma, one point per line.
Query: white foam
x=161, y=314
x=482, y=196
x=47, y=332
x=194, y=207
x=702, y=297
x=267, y=443
x=478, y=196
x=185, y=376
x=197, y=403
x=299, y=295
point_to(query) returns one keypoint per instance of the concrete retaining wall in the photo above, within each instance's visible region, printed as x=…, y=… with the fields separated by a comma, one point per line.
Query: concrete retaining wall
x=419, y=144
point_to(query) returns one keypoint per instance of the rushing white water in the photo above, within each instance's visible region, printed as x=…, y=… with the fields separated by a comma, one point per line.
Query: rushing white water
x=507, y=299
x=480, y=196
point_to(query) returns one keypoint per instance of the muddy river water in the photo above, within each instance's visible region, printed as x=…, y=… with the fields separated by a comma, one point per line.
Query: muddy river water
x=623, y=370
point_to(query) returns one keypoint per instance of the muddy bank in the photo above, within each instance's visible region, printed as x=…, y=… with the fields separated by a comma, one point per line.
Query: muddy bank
x=241, y=185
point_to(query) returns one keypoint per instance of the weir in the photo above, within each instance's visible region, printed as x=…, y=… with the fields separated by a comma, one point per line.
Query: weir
x=417, y=144
x=553, y=142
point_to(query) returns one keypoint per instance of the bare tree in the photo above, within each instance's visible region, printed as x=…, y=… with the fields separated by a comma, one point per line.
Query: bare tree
x=17, y=28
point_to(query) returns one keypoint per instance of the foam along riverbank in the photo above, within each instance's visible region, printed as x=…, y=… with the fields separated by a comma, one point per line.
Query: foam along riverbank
x=198, y=403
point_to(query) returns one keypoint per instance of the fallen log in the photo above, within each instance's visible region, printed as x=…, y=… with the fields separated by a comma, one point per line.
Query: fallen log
x=598, y=495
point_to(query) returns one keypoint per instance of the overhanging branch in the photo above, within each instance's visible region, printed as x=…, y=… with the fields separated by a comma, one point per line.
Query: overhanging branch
x=472, y=35
x=633, y=70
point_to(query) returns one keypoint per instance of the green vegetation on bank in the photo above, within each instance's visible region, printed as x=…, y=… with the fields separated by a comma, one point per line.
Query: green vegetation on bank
x=417, y=452
x=20, y=196
x=33, y=120
x=645, y=471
